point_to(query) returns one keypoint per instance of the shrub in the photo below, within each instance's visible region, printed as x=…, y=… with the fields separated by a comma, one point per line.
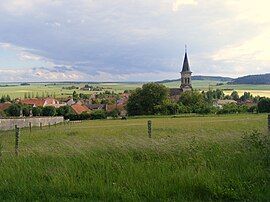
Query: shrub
x=264, y=105
x=37, y=111
x=114, y=113
x=49, y=111
x=13, y=110
x=64, y=111
x=98, y=114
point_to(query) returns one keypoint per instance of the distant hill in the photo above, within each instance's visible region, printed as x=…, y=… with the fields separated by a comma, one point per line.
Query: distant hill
x=201, y=78
x=252, y=79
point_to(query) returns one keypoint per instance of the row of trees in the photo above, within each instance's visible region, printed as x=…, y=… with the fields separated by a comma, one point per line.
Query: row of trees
x=65, y=111
x=219, y=94
x=153, y=98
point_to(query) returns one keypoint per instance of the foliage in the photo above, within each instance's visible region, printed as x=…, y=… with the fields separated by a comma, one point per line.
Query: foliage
x=98, y=114
x=114, y=113
x=48, y=111
x=5, y=98
x=26, y=110
x=246, y=96
x=213, y=94
x=264, y=105
x=193, y=100
x=37, y=111
x=235, y=95
x=229, y=108
x=13, y=110
x=75, y=95
x=143, y=101
x=64, y=111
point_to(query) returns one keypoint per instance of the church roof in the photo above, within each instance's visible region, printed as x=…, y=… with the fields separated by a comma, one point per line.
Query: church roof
x=186, y=64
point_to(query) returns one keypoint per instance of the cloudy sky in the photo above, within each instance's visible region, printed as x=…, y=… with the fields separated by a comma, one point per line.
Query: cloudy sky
x=131, y=40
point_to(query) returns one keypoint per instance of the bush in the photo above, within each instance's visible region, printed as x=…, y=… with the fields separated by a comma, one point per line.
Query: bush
x=230, y=108
x=48, y=111
x=37, y=111
x=64, y=111
x=26, y=110
x=98, y=114
x=13, y=110
x=2, y=114
x=264, y=105
x=114, y=113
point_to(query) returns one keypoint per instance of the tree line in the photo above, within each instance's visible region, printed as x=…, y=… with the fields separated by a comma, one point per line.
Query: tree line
x=153, y=98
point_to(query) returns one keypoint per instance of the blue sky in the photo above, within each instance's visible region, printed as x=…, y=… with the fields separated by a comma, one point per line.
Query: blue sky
x=131, y=40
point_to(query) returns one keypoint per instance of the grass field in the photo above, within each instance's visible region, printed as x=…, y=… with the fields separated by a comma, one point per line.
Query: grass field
x=187, y=159
x=17, y=91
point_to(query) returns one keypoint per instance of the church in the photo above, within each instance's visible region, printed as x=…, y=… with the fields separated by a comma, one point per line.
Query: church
x=185, y=80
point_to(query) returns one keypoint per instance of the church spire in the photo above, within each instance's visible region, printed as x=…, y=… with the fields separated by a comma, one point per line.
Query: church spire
x=185, y=63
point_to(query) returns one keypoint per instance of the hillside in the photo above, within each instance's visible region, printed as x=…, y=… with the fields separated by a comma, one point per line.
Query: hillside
x=201, y=78
x=252, y=79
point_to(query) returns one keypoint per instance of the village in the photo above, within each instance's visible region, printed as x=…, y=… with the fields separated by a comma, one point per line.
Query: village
x=101, y=104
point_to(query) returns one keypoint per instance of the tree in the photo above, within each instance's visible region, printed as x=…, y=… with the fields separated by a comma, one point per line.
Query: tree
x=246, y=96
x=235, y=95
x=114, y=113
x=192, y=100
x=37, y=111
x=26, y=110
x=49, y=111
x=264, y=105
x=75, y=95
x=64, y=111
x=13, y=110
x=144, y=100
x=230, y=108
x=98, y=114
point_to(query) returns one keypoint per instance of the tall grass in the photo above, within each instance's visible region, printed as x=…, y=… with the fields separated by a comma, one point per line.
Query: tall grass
x=198, y=159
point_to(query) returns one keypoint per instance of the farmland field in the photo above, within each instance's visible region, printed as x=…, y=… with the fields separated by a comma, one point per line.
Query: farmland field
x=187, y=159
x=15, y=90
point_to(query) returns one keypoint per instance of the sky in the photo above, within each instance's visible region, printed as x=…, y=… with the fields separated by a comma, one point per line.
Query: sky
x=131, y=40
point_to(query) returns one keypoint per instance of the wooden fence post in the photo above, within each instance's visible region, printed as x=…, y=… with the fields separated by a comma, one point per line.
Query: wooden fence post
x=49, y=125
x=40, y=125
x=269, y=123
x=30, y=127
x=17, y=136
x=149, y=124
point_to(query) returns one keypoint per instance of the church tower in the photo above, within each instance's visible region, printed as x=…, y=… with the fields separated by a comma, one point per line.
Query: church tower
x=186, y=74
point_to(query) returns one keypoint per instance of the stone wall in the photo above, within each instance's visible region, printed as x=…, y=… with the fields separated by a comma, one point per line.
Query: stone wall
x=9, y=124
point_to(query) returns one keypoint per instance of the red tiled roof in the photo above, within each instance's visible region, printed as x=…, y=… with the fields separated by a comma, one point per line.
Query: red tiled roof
x=4, y=106
x=34, y=101
x=79, y=109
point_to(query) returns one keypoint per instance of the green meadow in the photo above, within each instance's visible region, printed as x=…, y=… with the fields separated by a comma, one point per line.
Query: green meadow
x=51, y=89
x=211, y=158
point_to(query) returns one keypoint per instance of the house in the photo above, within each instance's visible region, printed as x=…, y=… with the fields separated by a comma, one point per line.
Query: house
x=70, y=102
x=79, y=109
x=36, y=102
x=96, y=106
x=220, y=103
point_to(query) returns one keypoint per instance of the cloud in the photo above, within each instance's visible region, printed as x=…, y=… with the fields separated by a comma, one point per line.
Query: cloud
x=181, y=3
x=132, y=40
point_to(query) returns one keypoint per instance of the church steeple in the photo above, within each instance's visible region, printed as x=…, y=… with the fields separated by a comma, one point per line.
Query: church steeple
x=185, y=67
x=186, y=74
